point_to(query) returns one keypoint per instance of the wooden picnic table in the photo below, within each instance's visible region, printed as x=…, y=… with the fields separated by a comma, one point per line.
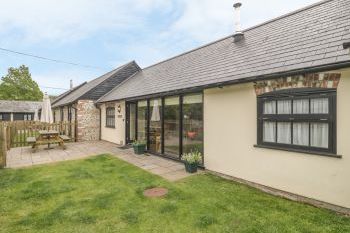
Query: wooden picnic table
x=47, y=137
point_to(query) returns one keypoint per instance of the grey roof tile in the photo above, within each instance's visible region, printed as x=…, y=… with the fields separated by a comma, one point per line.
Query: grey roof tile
x=99, y=86
x=308, y=37
x=19, y=106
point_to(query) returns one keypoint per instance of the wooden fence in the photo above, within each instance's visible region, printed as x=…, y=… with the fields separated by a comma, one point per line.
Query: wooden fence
x=15, y=133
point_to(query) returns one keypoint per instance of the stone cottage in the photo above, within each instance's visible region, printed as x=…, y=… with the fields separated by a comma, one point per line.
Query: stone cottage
x=77, y=105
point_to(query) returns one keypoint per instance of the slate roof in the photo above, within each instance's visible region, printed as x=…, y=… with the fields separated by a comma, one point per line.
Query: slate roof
x=19, y=106
x=99, y=86
x=67, y=92
x=309, y=37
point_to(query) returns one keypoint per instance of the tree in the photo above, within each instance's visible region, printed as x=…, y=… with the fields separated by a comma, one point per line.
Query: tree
x=19, y=85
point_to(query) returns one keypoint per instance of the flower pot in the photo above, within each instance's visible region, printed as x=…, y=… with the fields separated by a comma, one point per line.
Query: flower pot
x=139, y=149
x=191, y=167
x=191, y=134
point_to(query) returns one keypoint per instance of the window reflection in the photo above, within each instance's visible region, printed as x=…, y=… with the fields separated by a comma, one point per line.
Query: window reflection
x=142, y=120
x=172, y=126
x=155, y=128
x=192, y=123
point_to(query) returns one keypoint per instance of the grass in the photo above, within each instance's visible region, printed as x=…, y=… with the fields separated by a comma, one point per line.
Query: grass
x=104, y=194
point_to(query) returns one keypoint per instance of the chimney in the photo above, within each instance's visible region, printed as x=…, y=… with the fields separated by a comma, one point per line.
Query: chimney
x=238, y=31
x=71, y=84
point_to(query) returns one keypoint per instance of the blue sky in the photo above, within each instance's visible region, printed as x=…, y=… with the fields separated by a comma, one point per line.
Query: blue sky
x=108, y=33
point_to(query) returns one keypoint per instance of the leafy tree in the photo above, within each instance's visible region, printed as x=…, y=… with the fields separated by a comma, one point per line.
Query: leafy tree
x=19, y=85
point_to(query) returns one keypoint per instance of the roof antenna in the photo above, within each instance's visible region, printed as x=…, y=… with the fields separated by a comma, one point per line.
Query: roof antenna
x=238, y=36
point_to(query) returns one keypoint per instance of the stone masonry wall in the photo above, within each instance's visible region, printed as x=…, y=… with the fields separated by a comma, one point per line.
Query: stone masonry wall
x=88, y=118
x=315, y=80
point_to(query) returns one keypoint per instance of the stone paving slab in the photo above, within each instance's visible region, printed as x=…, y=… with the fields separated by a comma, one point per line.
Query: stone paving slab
x=24, y=157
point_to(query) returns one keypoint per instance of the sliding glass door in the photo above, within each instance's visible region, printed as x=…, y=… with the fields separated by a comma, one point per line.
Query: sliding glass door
x=192, y=126
x=155, y=125
x=169, y=125
x=131, y=122
x=172, y=126
x=142, y=118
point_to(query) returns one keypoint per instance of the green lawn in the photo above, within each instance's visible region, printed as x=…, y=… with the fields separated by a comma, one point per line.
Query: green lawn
x=104, y=194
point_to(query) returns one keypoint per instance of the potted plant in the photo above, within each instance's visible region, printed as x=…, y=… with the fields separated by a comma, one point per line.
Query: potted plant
x=139, y=147
x=191, y=161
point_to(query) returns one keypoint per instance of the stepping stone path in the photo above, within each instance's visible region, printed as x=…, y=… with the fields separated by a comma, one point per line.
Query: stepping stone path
x=155, y=192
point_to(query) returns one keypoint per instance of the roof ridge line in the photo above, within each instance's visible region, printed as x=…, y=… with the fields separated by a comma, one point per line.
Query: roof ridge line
x=125, y=80
x=248, y=29
x=117, y=70
x=68, y=92
x=288, y=14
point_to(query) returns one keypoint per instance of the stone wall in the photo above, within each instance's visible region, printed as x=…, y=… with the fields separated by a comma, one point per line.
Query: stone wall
x=315, y=80
x=88, y=117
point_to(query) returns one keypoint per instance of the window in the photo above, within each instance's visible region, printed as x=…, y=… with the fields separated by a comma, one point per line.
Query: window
x=172, y=126
x=155, y=125
x=27, y=117
x=303, y=120
x=192, y=123
x=1, y=118
x=142, y=118
x=110, y=117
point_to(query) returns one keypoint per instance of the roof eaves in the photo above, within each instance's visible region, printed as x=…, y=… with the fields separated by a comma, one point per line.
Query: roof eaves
x=322, y=68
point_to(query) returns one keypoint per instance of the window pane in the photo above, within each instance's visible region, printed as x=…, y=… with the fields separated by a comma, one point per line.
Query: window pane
x=269, y=131
x=270, y=107
x=319, y=106
x=155, y=127
x=301, y=106
x=132, y=121
x=284, y=132
x=141, y=120
x=301, y=133
x=172, y=126
x=192, y=123
x=319, y=135
x=284, y=106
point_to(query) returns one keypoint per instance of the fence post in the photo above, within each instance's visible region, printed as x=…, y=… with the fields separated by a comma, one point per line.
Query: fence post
x=3, y=148
x=8, y=137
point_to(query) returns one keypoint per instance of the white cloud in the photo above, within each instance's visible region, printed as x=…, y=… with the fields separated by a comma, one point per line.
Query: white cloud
x=68, y=20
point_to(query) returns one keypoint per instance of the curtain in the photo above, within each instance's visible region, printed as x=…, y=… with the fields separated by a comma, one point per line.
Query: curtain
x=270, y=107
x=319, y=106
x=155, y=111
x=269, y=131
x=319, y=135
x=284, y=106
x=301, y=134
x=301, y=106
x=284, y=133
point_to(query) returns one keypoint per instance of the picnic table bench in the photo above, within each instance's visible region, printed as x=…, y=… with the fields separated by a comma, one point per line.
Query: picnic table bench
x=47, y=137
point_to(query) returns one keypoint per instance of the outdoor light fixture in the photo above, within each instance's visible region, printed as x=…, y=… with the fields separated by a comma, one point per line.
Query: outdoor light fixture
x=119, y=108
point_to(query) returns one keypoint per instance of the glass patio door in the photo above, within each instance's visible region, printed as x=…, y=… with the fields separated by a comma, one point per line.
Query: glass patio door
x=155, y=126
x=172, y=126
x=131, y=122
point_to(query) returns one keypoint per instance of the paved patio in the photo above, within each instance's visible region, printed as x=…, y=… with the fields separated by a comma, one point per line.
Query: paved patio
x=24, y=157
